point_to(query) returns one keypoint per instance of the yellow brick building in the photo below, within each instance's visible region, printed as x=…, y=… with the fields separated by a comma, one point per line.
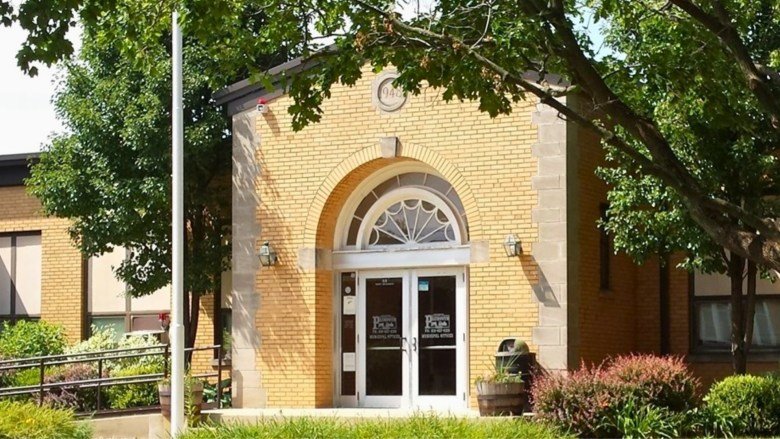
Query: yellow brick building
x=44, y=276
x=41, y=274
x=368, y=307
x=411, y=236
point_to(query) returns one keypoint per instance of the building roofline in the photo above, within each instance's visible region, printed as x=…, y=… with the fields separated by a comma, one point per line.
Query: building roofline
x=243, y=95
x=15, y=168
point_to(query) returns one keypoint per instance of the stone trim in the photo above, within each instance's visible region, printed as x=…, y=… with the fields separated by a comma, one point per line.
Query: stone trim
x=247, y=386
x=550, y=251
x=420, y=153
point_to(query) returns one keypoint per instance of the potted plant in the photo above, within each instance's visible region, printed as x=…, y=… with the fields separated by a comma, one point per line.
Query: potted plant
x=503, y=393
x=193, y=396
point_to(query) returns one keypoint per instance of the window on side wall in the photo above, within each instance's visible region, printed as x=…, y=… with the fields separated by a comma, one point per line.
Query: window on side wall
x=110, y=306
x=20, y=276
x=711, y=315
x=605, y=251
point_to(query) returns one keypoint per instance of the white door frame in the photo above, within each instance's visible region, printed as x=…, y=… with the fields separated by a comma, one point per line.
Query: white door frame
x=409, y=334
x=365, y=400
x=459, y=400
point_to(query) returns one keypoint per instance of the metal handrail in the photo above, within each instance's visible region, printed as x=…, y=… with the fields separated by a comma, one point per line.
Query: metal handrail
x=97, y=353
x=42, y=362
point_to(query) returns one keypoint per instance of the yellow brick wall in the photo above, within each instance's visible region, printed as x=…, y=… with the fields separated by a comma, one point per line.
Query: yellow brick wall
x=487, y=160
x=61, y=262
x=202, y=361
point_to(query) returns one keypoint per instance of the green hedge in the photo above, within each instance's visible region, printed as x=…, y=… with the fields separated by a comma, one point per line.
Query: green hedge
x=414, y=427
x=27, y=420
x=753, y=403
x=134, y=395
x=31, y=339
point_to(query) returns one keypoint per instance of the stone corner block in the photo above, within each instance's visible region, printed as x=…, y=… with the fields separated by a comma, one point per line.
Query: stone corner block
x=480, y=252
x=546, y=336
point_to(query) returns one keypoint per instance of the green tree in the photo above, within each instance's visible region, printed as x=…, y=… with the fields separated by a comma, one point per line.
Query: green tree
x=662, y=84
x=714, y=56
x=646, y=219
x=109, y=173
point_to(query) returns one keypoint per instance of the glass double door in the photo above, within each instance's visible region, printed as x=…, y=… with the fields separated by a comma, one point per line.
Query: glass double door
x=411, y=339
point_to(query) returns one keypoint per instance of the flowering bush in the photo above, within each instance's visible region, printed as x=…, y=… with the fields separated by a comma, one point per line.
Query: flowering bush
x=141, y=341
x=589, y=401
x=73, y=396
x=102, y=339
x=106, y=339
x=662, y=381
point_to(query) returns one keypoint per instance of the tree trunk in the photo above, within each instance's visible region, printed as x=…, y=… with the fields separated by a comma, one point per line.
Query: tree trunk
x=191, y=329
x=750, y=305
x=738, y=355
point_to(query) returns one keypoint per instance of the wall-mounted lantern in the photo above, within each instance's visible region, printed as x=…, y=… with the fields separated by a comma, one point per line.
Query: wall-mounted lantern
x=512, y=246
x=267, y=255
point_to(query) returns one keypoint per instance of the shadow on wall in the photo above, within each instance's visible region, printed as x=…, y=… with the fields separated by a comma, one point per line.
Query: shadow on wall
x=245, y=201
x=541, y=286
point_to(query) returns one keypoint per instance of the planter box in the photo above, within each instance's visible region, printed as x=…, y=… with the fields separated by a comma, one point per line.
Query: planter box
x=194, y=395
x=501, y=399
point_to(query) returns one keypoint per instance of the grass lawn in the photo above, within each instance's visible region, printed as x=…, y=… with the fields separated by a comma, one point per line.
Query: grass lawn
x=414, y=427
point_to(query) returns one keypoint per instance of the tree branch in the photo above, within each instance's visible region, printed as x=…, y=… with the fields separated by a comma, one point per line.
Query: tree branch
x=706, y=210
x=759, y=83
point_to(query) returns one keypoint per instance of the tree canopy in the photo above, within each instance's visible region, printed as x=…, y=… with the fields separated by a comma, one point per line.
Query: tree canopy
x=685, y=94
x=109, y=172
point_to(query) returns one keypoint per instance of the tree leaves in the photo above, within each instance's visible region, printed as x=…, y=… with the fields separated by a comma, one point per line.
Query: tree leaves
x=110, y=173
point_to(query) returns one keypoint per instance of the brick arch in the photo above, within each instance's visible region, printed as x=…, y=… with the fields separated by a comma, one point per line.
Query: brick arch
x=373, y=153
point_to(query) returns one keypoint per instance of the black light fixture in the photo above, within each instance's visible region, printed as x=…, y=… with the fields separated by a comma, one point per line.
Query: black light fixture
x=267, y=255
x=512, y=246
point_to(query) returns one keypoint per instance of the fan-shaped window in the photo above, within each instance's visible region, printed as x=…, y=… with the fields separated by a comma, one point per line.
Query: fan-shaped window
x=409, y=217
x=412, y=222
x=416, y=209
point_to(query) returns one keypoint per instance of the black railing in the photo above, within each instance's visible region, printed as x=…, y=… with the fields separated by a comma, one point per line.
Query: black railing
x=100, y=358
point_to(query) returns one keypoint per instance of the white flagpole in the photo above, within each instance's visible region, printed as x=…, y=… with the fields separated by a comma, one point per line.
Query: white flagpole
x=177, y=309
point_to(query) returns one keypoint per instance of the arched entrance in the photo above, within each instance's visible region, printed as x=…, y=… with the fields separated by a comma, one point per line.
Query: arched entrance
x=401, y=254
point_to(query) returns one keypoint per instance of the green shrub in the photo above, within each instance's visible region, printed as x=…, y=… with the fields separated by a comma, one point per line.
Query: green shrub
x=753, y=401
x=102, y=339
x=105, y=339
x=31, y=339
x=134, y=395
x=414, y=427
x=210, y=393
x=25, y=377
x=601, y=401
x=27, y=420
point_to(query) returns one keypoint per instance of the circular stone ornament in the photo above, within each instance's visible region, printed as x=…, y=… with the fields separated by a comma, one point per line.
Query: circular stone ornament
x=385, y=96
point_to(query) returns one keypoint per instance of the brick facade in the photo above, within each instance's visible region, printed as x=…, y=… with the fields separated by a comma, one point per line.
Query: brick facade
x=61, y=263
x=530, y=174
x=63, y=277
x=304, y=179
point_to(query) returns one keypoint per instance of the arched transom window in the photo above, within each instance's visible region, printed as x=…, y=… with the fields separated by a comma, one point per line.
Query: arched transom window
x=409, y=210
